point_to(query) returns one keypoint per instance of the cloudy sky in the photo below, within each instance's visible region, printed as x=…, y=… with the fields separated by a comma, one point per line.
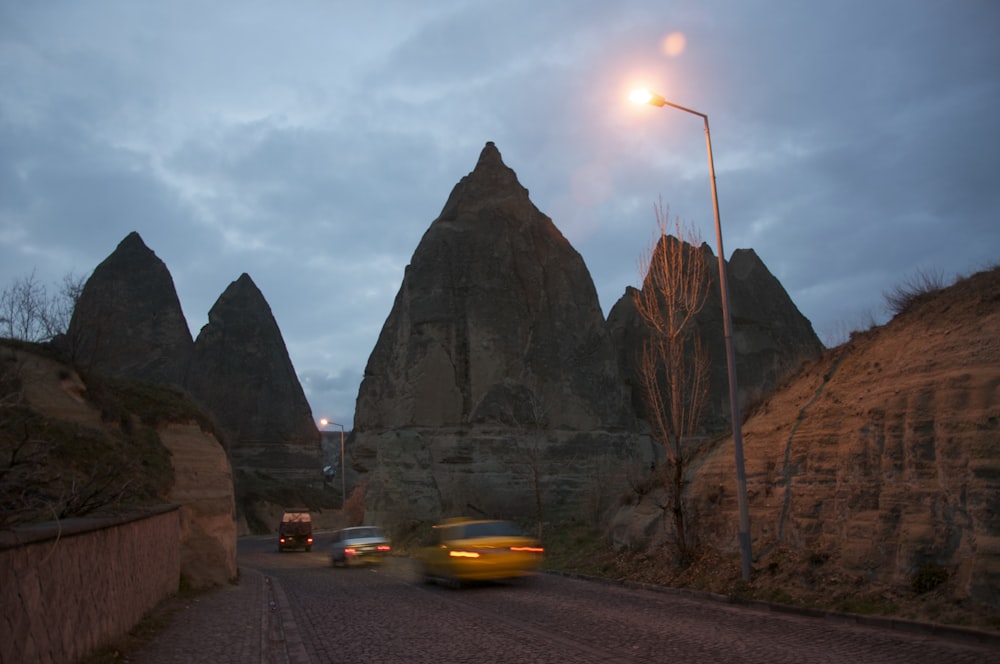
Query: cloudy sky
x=311, y=143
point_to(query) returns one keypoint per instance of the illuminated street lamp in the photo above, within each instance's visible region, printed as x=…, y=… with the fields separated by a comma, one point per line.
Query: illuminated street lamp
x=653, y=99
x=323, y=422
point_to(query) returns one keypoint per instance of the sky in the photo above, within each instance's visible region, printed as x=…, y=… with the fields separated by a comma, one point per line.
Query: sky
x=311, y=143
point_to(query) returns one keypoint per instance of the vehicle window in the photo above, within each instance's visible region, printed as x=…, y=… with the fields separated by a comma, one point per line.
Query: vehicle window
x=491, y=529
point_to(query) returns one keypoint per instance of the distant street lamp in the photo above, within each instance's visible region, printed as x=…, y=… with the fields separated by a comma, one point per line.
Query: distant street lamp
x=323, y=422
x=653, y=99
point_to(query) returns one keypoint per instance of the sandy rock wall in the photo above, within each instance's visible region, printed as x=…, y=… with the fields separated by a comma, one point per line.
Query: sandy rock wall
x=880, y=460
x=204, y=489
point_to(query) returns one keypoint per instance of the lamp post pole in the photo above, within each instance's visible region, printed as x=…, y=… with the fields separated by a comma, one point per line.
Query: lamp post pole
x=643, y=96
x=343, y=481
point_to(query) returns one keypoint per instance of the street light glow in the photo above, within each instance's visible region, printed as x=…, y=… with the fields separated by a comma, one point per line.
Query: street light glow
x=643, y=96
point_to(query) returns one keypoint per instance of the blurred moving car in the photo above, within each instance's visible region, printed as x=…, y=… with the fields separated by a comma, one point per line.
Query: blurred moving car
x=359, y=545
x=295, y=530
x=461, y=550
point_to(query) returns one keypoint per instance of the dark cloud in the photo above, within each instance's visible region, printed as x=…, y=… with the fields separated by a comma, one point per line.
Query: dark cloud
x=855, y=142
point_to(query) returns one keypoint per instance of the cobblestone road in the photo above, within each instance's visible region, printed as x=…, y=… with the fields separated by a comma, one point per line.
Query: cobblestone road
x=295, y=609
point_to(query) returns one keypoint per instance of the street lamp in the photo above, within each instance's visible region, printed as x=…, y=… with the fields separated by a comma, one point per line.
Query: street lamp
x=653, y=99
x=323, y=422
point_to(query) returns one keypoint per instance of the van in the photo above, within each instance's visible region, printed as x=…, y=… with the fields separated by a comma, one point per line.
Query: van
x=295, y=531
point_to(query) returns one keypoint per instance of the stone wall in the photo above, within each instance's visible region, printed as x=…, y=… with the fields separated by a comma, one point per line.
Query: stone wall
x=70, y=587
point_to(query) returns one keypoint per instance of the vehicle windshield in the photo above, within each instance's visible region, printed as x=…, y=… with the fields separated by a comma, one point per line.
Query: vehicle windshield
x=359, y=533
x=489, y=529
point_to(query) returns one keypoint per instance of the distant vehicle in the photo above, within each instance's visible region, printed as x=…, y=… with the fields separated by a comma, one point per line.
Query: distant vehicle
x=461, y=550
x=359, y=546
x=295, y=531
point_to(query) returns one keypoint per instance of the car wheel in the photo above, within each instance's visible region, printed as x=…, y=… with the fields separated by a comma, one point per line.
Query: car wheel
x=308, y=549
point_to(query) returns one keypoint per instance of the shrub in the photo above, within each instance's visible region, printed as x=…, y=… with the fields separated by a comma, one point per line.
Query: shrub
x=914, y=289
x=927, y=578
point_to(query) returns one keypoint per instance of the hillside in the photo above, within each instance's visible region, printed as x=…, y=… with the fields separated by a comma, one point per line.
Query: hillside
x=873, y=474
x=76, y=446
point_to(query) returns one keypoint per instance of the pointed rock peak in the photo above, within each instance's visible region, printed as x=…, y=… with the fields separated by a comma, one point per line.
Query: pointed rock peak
x=128, y=320
x=132, y=238
x=490, y=157
x=491, y=168
x=745, y=259
x=490, y=182
x=133, y=256
x=245, y=281
x=243, y=291
x=132, y=244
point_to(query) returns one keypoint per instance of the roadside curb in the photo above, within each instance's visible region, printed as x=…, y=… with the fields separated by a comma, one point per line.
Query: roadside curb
x=881, y=622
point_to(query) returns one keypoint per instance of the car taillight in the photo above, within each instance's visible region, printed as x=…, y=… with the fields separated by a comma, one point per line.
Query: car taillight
x=527, y=549
x=382, y=547
x=309, y=540
x=463, y=554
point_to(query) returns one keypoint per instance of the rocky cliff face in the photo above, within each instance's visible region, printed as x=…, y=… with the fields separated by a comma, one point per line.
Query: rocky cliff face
x=770, y=336
x=242, y=374
x=128, y=321
x=496, y=335
x=497, y=321
x=202, y=486
x=877, y=463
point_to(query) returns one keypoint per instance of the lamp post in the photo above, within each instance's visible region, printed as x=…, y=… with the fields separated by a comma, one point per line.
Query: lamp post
x=653, y=99
x=343, y=482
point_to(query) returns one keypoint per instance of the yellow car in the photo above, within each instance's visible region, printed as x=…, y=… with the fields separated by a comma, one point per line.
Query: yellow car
x=461, y=550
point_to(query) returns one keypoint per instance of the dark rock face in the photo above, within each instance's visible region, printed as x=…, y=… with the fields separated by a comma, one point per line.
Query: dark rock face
x=241, y=373
x=493, y=387
x=128, y=321
x=770, y=336
x=497, y=321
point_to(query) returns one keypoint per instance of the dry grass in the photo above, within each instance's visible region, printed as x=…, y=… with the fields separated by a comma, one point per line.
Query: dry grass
x=781, y=576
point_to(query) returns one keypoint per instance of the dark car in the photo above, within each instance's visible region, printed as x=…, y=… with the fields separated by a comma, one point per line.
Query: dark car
x=361, y=545
x=295, y=531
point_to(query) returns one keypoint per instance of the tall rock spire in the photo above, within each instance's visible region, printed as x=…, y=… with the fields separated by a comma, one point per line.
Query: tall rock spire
x=497, y=321
x=128, y=320
x=242, y=374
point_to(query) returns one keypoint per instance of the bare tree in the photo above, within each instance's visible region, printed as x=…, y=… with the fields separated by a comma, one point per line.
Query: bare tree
x=29, y=313
x=673, y=365
x=530, y=415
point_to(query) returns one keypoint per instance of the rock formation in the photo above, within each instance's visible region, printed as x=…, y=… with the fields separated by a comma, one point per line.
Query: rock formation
x=241, y=373
x=770, y=336
x=877, y=463
x=202, y=487
x=493, y=369
x=128, y=321
x=497, y=321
